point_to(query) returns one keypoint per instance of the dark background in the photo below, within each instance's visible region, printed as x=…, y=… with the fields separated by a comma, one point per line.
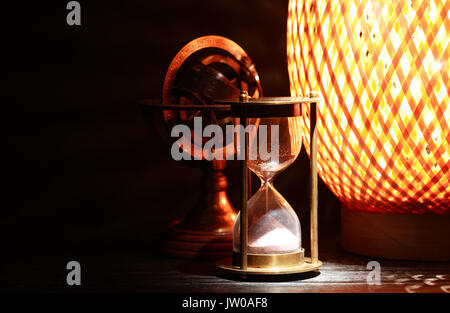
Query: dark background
x=83, y=173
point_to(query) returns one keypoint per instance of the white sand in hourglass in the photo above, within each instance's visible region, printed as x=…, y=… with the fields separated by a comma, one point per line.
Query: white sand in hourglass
x=269, y=236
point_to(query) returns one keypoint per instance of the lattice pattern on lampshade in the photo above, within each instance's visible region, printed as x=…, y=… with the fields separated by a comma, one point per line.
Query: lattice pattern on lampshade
x=382, y=68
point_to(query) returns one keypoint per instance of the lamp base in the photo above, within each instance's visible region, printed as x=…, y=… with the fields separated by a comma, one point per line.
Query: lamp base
x=407, y=237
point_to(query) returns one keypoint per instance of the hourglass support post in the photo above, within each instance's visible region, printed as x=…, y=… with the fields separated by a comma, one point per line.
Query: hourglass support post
x=249, y=183
x=313, y=192
x=244, y=188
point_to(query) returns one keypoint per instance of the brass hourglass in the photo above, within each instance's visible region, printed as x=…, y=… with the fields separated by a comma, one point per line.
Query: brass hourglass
x=267, y=233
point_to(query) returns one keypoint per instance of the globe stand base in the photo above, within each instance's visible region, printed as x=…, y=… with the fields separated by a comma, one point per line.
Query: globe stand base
x=196, y=244
x=407, y=237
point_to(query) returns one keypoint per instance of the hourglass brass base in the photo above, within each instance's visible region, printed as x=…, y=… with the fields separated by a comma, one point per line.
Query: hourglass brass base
x=270, y=260
x=273, y=264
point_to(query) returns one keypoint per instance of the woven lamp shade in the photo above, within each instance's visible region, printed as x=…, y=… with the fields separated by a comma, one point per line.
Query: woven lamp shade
x=382, y=69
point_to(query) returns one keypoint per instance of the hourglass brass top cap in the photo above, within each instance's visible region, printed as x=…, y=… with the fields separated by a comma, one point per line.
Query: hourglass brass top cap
x=267, y=106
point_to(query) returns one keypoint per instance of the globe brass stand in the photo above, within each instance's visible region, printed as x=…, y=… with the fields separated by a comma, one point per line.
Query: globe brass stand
x=207, y=68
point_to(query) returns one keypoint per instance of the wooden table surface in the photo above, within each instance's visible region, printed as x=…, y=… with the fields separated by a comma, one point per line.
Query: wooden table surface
x=139, y=272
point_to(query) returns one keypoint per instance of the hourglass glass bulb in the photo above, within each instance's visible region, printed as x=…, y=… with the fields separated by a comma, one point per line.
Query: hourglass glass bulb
x=273, y=226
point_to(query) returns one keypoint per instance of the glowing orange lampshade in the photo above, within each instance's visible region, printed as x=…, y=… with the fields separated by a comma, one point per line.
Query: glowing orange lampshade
x=382, y=68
